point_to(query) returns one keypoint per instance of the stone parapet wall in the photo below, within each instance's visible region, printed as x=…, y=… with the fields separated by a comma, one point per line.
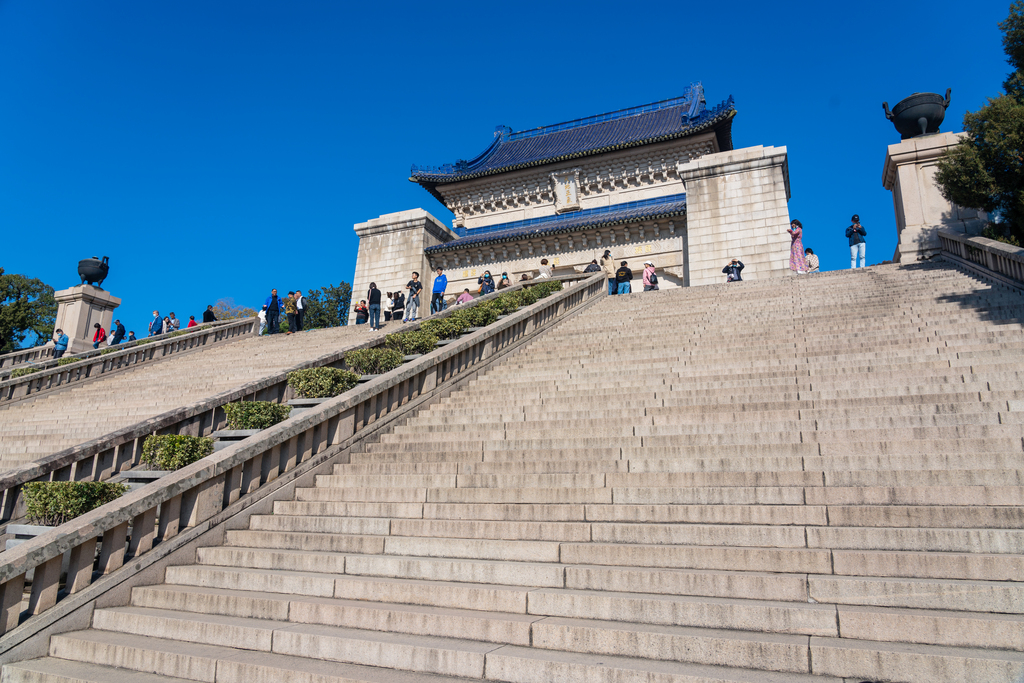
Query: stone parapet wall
x=737, y=207
x=391, y=248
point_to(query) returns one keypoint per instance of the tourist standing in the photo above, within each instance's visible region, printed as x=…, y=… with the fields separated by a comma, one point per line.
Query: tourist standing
x=274, y=306
x=545, y=269
x=413, y=302
x=732, y=271
x=157, y=326
x=99, y=336
x=398, y=307
x=387, y=306
x=208, y=315
x=812, y=260
x=593, y=267
x=175, y=323
x=291, y=311
x=486, y=283
x=300, y=310
x=650, y=277
x=608, y=266
x=858, y=246
x=437, y=291
x=60, y=344
x=797, y=263
x=117, y=333
x=191, y=321
x=362, y=313
x=167, y=325
x=623, y=276
x=504, y=281
x=373, y=296
x=262, y=315
x=131, y=336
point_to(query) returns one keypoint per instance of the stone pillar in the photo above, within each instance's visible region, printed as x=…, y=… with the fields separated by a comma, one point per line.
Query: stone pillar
x=921, y=210
x=390, y=248
x=78, y=309
x=737, y=207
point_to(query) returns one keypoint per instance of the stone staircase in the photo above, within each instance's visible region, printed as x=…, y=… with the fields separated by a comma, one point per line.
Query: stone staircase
x=813, y=479
x=34, y=429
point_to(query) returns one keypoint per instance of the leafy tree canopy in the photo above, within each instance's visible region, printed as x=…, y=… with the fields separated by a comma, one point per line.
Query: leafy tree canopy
x=226, y=309
x=986, y=169
x=328, y=306
x=27, y=311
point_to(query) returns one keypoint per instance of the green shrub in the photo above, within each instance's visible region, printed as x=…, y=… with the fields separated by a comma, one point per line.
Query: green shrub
x=112, y=350
x=174, y=451
x=418, y=341
x=548, y=288
x=506, y=303
x=321, y=382
x=449, y=327
x=67, y=361
x=481, y=315
x=373, y=361
x=255, y=414
x=52, y=503
x=177, y=333
x=21, y=372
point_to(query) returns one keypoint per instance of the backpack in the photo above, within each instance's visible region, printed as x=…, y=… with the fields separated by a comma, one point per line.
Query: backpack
x=654, y=278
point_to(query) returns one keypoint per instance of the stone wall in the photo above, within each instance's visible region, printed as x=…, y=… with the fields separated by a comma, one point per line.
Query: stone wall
x=391, y=248
x=737, y=207
x=921, y=210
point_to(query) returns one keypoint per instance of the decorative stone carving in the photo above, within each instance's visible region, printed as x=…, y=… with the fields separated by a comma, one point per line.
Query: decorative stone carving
x=565, y=186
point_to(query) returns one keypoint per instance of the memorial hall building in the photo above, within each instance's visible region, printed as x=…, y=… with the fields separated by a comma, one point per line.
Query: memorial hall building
x=660, y=182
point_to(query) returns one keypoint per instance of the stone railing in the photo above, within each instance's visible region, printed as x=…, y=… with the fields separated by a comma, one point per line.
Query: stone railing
x=156, y=513
x=990, y=258
x=36, y=354
x=91, y=364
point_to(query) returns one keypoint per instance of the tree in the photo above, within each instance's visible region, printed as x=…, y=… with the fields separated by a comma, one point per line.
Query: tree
x=985, y=170
x=225, y=309
x=27, y=310
x=328, y=307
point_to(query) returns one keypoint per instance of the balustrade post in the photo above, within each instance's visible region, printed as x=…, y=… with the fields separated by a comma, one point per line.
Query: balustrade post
x=170, y=518
x=45, y=585
x=143, y=532
x=203, y=501
x=113, y=547
x=80, y=564
x=11, y=595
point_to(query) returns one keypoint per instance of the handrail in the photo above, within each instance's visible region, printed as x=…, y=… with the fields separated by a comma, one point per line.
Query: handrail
x=8, y=361
x=110, y=454
x=1001, y=261
x=98, y=362
x=161, y=510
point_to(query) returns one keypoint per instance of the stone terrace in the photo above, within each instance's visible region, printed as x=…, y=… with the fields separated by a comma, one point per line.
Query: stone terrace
x=811, y=479
x=33, y=429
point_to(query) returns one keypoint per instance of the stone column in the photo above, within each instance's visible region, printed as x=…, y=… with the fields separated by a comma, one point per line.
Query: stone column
x=921, y=210
x=390, y=248
x=78, y=309
x=737, y=207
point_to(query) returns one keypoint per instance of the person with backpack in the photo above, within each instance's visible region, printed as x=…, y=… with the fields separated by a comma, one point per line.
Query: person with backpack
x=415, y=287
x=623, y=276
x=650, y=277
x=593, y=267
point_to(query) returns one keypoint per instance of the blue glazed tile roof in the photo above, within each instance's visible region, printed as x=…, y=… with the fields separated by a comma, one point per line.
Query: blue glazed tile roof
x=665, y=120
x=630, y=212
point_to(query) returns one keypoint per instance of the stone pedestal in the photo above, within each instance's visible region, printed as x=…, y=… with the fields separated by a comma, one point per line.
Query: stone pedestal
x=78, y=309
x=737, y=207
x=390, y=249
x=921, y=210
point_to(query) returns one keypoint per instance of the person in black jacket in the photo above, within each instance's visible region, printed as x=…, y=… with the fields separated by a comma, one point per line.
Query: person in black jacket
x=208, y=316
x=623, y=276
x=593, y=267
x=732, y=271
x=373, y=296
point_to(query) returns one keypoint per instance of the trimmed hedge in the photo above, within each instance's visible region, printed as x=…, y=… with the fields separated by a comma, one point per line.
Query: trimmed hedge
x=321, y=382
x=67, y=361
x=255, y=414
x=418, y=341
x=52, y=503
x=375, y=361
x=174, y=451
x=21, y=372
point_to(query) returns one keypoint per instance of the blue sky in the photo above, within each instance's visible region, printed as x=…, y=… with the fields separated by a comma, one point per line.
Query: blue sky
x=218, y=149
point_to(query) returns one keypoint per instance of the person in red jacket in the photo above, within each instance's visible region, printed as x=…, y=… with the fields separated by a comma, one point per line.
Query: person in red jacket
x=191, y=321
x=99, y=336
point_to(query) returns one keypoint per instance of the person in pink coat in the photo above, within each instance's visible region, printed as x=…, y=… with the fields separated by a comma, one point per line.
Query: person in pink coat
x=797, y=260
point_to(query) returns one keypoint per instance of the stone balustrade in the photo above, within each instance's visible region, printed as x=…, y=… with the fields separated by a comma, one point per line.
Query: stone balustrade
x=35, y=354
x=158, y=513
x=1002, y=261
x=52, y=375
